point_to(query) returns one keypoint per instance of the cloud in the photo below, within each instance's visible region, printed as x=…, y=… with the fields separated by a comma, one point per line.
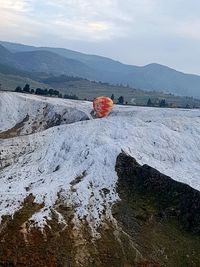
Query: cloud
x=96, y=20
x=190, y=29
x=14, y=5
x=133, y=31
x=77, y=19
x=91, y=20
x=95, y=30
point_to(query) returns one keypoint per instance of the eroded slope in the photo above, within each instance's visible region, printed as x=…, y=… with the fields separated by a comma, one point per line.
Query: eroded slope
x=58, y=179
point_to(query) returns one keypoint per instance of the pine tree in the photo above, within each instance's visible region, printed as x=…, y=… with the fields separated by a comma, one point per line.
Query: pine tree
x=18, y=89
x=50, y=92
x=149, y=103
x=121, y=100
x=112, y=97
x=26, y=88
x=163, y=103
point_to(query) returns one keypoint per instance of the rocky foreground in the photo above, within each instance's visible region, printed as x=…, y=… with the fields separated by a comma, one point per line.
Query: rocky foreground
x=71, y=196
x=157, y=223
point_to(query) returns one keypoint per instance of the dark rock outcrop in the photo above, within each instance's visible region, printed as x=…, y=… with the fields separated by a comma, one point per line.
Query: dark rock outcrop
x=173, y=199
x=161, y=215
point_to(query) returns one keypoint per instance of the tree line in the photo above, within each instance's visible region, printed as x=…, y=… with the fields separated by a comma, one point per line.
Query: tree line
x=150, y=103
x=162, y=103
x=120, y=100
x=44, y=92
x=51, y=92
x=56, y=93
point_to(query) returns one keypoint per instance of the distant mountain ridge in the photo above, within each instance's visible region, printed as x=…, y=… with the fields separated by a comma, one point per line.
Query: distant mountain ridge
x=43, y=61
x=59, y=61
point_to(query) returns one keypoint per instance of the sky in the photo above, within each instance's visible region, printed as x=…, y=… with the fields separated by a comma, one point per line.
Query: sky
x=136, y=32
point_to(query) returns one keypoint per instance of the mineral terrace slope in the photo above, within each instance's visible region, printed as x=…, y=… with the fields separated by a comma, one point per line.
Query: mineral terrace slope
x=59, y=184
x=152, y=227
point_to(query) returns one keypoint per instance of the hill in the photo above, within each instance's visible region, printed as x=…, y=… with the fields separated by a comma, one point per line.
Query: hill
x=85, y=89
x=77, y=191
x=80, y=88
x=8, y=82
x=150, y=77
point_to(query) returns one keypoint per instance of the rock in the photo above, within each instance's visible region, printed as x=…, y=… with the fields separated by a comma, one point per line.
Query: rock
x=173, y=199
x=161, y=216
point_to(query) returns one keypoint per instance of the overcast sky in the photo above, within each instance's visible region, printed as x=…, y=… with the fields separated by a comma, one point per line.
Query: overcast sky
x=136, y=32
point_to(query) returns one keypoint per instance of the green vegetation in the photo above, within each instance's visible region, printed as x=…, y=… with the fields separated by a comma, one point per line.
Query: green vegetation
x=121, y=100
x=86, y=89
x=10, y=82
x=44, y=92
x=70, y=87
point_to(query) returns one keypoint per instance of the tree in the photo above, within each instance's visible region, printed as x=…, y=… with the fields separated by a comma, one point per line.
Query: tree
x=163, y=103
x=71, y=97
x=149, y=103
x=187, y=106
x=32, y=91
x=50, y=92
x=26, y=88
x=56, y=93
x=121, y=100
x=45, y=92
x=39, y=91
x=18, y=89
x=112, y=97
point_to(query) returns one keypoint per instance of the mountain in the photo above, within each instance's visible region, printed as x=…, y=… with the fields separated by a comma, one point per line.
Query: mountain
x=63, y=61
x=161, y=78
x=93, y=61
x=43, y=61
x=8, y=81
x=77, y=191
x=5, y=56
x=9, y=70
